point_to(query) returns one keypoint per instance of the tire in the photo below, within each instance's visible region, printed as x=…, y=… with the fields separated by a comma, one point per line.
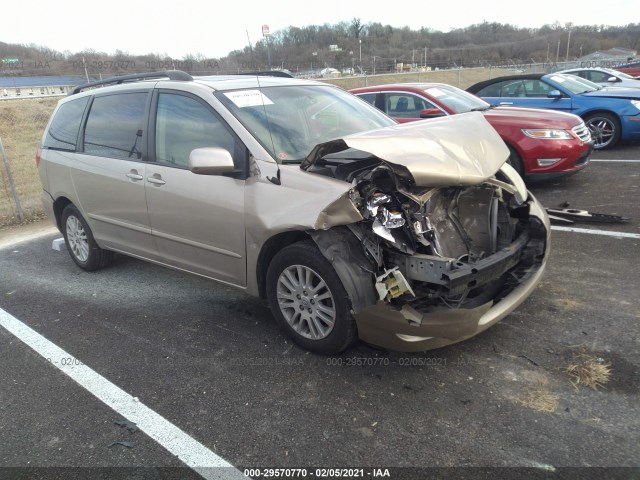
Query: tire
x=515, y=161
x=308, y=300
x=81, y=245
x=605, y=130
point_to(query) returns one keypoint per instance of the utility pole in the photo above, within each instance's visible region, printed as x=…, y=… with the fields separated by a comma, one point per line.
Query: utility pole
x=568, y=42
x=265, y=34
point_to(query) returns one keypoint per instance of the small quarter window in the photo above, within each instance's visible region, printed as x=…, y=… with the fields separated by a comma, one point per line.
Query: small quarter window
x=63, y=132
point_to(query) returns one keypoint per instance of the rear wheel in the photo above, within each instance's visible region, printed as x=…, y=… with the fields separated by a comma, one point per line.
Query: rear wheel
x=308, y=300
x=605, y=130
x=80, y=242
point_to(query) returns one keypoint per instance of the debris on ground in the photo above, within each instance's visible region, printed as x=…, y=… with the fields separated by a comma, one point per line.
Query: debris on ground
x=132, y=427
x=588, y=369
x=539, y=399
x=124, y=443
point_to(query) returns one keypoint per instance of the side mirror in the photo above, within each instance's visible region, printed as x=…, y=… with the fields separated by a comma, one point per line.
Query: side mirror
x=211, y=161
x=612, y=79
x=431, y=113
x=554, y=94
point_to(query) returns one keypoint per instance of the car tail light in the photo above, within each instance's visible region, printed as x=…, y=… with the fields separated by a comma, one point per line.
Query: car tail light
x=38, y=155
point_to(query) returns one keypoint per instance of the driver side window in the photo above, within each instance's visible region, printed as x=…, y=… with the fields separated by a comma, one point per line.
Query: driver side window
x=184, y=124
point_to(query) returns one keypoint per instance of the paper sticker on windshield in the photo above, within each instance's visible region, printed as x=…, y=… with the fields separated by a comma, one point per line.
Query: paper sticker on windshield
x=436, y=92
x=248, y=98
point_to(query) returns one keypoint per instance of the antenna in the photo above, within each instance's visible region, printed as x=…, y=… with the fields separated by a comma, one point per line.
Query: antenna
x=275, y=180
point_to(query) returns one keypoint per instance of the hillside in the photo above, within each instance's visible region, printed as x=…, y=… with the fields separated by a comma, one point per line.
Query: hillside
x=347, y=45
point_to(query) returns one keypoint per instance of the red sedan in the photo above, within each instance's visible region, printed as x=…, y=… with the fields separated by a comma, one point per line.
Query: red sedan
x=544, y=144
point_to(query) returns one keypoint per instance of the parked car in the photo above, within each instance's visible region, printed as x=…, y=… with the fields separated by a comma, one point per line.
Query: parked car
x=630, y=68
x=409, y=237
x=605, y=77
x=543, y=144
x=611, y=114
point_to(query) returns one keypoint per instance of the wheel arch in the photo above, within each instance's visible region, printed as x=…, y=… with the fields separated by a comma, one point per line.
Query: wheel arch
x=269, y=249
x=59, y=205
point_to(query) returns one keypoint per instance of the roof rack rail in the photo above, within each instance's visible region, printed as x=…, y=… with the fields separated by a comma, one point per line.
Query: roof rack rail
x=269, y=73
x=171, y=74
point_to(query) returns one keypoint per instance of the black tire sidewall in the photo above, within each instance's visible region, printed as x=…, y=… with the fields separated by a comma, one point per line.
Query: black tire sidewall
x=516, y=161
x=344, y=331
x=94, y=260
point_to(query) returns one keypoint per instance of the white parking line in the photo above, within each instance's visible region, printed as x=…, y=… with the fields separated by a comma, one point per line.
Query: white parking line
x=188, y=450
x=606, y=160
x=590, y=231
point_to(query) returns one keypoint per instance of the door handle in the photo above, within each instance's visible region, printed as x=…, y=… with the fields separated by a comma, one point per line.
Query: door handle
x=134, y=175
x=156, y=179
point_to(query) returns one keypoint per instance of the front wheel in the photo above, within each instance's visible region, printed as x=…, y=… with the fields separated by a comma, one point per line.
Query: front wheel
x=515, y=161
x=308, y=300
x=81, y=245
x=605, y=130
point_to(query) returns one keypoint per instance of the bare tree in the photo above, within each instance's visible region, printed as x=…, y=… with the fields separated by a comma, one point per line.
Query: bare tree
x=356, y=27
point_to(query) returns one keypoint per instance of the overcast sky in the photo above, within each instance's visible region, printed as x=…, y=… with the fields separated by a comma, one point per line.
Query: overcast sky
x=216, y=28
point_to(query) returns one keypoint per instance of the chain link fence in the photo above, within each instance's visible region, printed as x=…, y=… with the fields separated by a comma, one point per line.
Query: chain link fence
x=22, y=123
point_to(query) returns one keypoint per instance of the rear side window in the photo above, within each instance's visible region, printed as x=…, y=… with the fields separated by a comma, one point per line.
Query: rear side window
x=368, y=97
x=114, y=127
x=63, y=132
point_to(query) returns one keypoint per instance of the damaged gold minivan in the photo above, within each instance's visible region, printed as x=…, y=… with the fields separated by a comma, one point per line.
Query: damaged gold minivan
x=409, y=237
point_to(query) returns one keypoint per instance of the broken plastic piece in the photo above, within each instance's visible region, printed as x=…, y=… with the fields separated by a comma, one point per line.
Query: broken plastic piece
x=58, y=244
x=392, y=284
x=392, y=219
x=124, y=443
x=571, y=215
x=132, y=427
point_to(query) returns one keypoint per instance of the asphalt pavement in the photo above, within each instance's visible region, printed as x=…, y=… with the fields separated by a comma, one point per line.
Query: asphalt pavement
x=209, y=362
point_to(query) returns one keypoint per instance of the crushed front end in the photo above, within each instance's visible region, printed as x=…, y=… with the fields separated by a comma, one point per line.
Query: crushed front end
x=431, y=265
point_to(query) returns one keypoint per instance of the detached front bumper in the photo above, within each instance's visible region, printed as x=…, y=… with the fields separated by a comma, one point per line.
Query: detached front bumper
x=408, y=330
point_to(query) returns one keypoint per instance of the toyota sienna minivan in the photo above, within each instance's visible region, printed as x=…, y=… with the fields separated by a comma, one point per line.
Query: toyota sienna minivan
x=409, y=237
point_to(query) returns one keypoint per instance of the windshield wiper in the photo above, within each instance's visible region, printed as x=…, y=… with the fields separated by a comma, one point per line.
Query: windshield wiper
x=291, y=162
x=482, y=109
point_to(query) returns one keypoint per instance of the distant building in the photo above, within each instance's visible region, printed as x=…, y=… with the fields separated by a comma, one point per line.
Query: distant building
x=37, y=87
x=613, y=54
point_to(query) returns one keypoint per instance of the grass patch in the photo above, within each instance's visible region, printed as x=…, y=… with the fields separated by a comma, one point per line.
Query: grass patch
x=22, y=123
x=539, y=399
x=588, y=369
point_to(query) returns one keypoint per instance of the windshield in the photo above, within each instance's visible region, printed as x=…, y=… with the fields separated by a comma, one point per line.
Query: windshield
x=290, y=120
x=457, y=100
x=573, y=85
x=621, y=75
x=588, y=83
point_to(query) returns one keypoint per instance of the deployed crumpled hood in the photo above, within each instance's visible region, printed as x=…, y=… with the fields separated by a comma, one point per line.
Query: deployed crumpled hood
x=450, y=151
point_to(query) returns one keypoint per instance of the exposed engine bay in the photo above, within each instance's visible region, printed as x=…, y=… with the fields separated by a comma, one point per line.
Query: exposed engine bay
x=428, y=247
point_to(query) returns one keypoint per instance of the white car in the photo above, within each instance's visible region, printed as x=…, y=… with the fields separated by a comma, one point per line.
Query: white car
x=605, y=76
